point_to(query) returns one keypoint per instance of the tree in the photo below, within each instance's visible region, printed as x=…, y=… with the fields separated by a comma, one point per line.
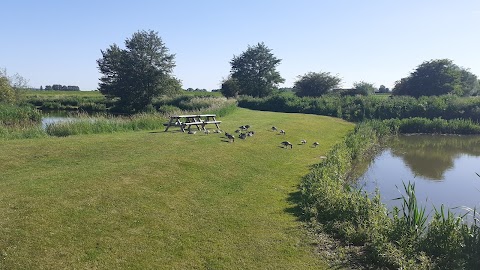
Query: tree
x=315, y=84
x=255, y=71
x=437, y=77
x=364, y=88
x=383, y=89
x=230, y=88
x=139, y=73
x=16, y=81
x=469, y=83
x=7, y=94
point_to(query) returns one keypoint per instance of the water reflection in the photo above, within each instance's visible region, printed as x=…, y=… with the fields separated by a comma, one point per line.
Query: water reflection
x=431, y=156
x=63, y=116
x=443, y=169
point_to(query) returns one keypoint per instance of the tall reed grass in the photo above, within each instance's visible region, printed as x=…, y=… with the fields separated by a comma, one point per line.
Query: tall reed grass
x=11, y=115
x=19, y=122
x=85, y=124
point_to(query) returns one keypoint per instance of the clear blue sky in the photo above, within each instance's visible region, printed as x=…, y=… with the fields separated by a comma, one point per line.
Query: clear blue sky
x=377, y=41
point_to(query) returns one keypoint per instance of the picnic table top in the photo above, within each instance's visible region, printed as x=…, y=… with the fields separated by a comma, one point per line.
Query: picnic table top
x=193, y=115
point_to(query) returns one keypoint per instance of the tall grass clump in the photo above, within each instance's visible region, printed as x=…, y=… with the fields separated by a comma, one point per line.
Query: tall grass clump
x=11, y=115
x=105, y=124
x=19, y=122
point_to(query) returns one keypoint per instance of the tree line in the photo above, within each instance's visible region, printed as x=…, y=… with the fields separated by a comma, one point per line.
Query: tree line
x=141, y=71
x=253, y=73
x=59, y=87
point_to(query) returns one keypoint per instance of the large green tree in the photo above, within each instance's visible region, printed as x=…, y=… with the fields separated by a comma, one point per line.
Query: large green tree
x=437, y=77
x=138, y=73
x=255, y=71
x=314, y=84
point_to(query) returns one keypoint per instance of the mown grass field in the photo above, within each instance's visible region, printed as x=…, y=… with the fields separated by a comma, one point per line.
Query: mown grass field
x=162, y=200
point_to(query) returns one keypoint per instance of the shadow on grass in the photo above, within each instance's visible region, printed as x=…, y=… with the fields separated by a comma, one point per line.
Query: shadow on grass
x=294, y=199
x=170, y=131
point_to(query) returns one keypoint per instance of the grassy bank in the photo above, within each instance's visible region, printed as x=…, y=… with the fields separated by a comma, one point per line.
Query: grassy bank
x=401, y=239
x=150, y=200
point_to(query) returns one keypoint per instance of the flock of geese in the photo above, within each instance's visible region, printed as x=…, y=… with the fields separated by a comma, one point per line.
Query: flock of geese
x=243, y=136
x=287, y=144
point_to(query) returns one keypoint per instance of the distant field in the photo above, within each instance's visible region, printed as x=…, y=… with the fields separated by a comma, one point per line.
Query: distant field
x=62, y=94
x=156, y=200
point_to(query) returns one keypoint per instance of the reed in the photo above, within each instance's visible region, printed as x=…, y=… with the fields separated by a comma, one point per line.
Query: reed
x=12, y=115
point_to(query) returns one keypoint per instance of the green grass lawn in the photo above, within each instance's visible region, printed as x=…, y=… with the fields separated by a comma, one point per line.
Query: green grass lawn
x=162, y=200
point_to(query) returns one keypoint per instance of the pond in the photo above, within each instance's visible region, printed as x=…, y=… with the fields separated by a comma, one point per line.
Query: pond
x=63, y=116
x=443, y=168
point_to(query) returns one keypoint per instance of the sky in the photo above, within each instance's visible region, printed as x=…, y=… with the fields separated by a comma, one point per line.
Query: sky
x=377, y=41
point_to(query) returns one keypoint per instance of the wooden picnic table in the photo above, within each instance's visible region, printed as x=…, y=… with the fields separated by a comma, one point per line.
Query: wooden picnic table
x=198, y=120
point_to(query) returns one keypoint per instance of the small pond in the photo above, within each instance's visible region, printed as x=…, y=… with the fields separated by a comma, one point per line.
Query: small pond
x=62, y=116
x=443, y=168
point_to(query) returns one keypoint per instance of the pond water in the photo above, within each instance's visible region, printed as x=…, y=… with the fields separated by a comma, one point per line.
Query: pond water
x=443, y=169
x=54, y=119
x=62, y=116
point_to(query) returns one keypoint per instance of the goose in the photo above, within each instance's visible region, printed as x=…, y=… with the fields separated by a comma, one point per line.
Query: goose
x=230, y=137
x=286, y=144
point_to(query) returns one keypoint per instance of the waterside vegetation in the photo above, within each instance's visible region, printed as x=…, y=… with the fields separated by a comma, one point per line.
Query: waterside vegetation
x=399, y=239
x=360, y=108
x=23, y=121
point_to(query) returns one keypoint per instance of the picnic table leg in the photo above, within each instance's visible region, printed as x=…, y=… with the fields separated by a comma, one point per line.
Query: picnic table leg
x=198, y=119
x=169, y=124
x=215, y=121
